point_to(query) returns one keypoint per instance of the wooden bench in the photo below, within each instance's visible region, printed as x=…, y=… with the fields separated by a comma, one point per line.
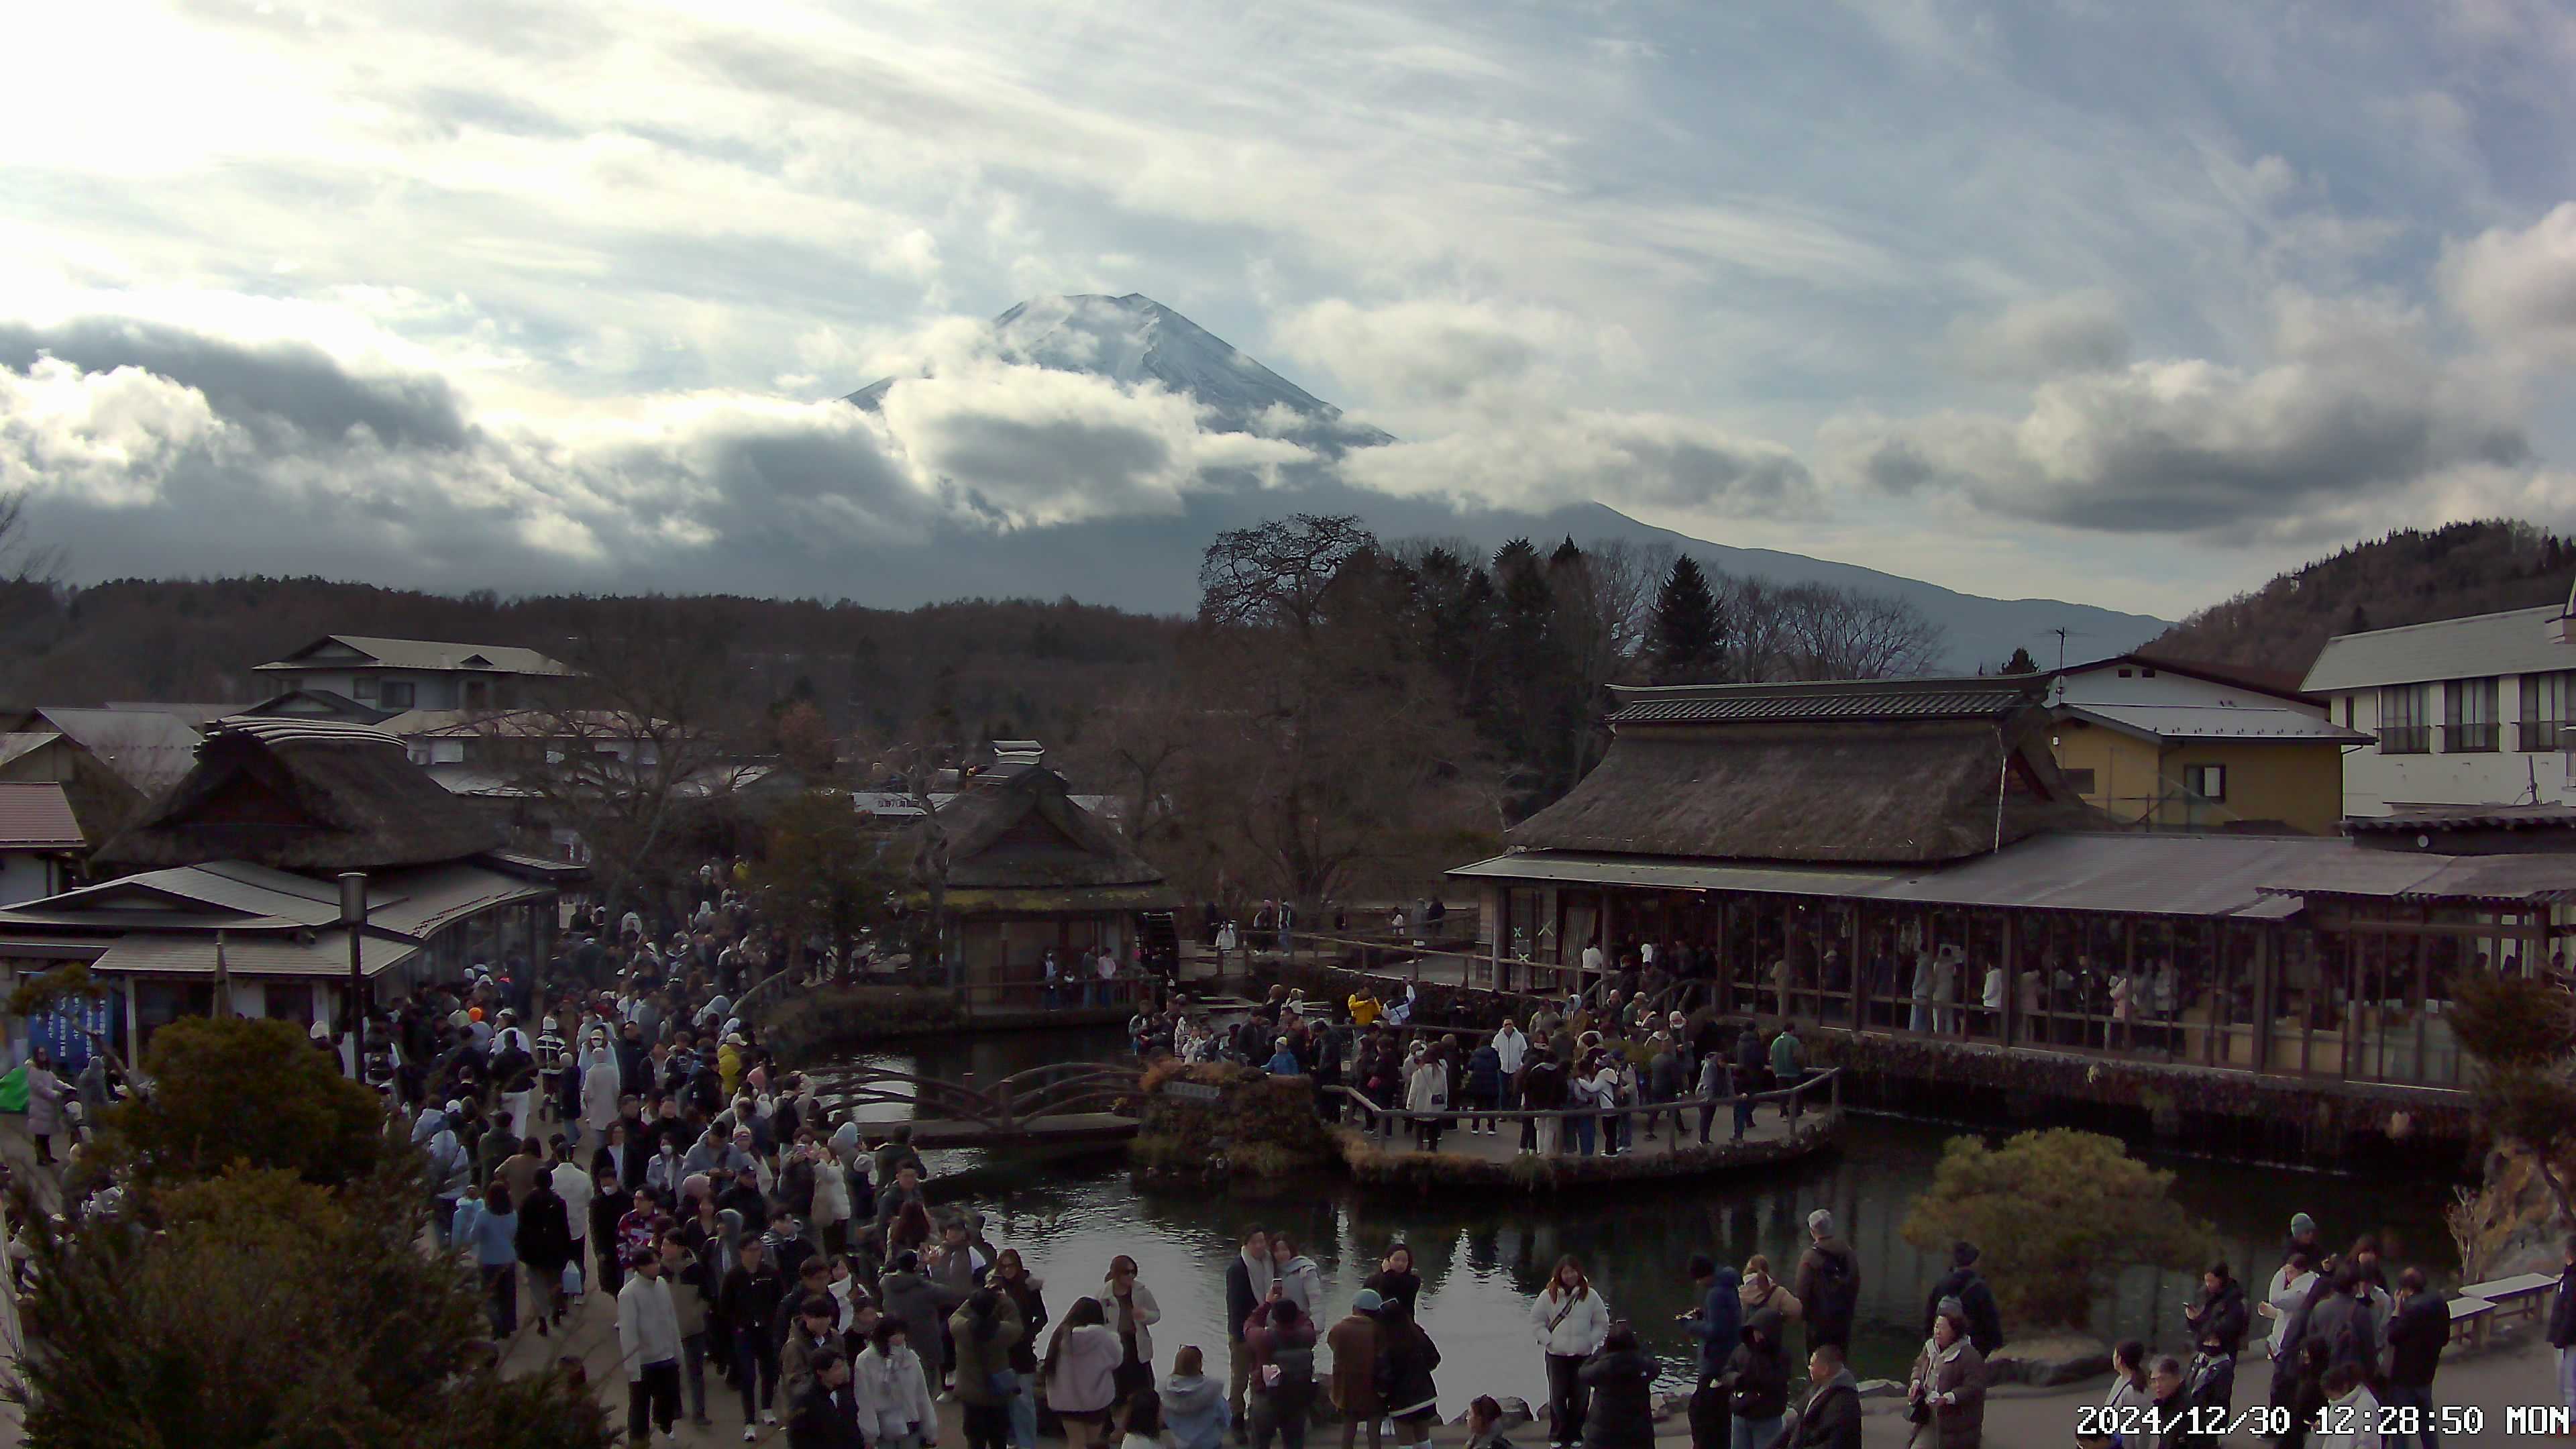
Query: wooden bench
x=2469, y=1317
x=2519, y=1297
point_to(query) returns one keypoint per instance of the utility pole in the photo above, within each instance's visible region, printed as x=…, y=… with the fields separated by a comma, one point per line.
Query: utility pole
x=353, y=918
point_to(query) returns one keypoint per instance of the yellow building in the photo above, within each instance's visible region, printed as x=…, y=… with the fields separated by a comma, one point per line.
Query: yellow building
x=2169, y=745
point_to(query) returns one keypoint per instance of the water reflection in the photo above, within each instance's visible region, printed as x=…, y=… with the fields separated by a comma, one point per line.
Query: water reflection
x=1483, y=1255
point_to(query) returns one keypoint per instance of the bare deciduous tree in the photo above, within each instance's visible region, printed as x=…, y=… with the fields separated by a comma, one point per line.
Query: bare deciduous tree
x=1277, y=573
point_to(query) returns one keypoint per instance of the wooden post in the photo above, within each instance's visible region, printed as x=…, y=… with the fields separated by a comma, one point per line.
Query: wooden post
x=2265, y=957
x=2008, y=1023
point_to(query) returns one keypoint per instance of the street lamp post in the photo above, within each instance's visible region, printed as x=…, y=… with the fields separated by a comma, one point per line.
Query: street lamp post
x=353, y=917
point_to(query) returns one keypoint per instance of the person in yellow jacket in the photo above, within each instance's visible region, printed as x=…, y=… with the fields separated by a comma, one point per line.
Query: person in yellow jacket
x=729, y=1065
x=1364, y=1007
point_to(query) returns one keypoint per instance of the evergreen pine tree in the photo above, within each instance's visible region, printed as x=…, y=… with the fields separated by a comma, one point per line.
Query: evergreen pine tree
x=1686, y=626
x=2020, y=662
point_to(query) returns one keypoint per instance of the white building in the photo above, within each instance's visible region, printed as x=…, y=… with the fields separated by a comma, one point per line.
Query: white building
x=2475, y=711
x=393, y=675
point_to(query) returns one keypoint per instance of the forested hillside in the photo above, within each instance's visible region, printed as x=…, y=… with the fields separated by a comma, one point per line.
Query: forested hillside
x=2408, y=577
x=1013, y=667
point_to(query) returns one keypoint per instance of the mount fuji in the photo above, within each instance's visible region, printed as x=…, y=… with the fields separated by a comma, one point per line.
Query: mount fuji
x=1150, y=563
x=1134, y=339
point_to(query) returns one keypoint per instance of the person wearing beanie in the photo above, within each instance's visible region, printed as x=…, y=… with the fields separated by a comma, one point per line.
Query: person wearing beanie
x=1354, y=1345
x=1828, y=1284
x=1976, y=1301
x=2303, y=1236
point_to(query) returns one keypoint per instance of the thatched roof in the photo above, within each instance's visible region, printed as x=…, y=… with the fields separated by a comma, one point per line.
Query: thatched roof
x=1862, y=789
x=304, y=796
x=1020, y=830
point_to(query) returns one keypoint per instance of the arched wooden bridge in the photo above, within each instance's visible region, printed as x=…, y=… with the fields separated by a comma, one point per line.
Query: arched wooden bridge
x=1061, y=1103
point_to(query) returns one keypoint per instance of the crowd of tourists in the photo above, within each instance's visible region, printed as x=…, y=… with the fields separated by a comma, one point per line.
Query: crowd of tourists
x=1598, y=1060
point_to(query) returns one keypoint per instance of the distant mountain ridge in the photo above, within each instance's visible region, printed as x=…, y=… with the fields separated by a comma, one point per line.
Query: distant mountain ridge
x=1151, y=563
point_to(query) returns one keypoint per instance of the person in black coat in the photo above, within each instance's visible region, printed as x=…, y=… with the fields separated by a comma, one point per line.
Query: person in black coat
x=1976, y=1300
x=748, y=1302
x=1620, y=1378
x=2221, y=1309
x=545, y=1245
x=2416, y=1334
x=2562, y=1303
x=1757, y=1374
x=824, y=1413
x=621, y=1156
x=1831, y=1418
x=609, y=1201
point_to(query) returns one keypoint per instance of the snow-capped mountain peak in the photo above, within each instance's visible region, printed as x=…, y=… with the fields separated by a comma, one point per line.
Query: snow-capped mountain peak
x=1135, y=340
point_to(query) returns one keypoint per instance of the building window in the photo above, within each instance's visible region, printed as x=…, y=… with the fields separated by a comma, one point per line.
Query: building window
x=398, y=694
x=2405, y=719
x=362, y=687
x=2469, y=716
x=2209, y=782
x=2545, y=720
x=2080, y=781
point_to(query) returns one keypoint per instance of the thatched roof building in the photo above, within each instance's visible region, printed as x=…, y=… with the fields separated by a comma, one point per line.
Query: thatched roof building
x=1887, y=771
x=1016, y=832
x=1031, y=871
x=305, y=796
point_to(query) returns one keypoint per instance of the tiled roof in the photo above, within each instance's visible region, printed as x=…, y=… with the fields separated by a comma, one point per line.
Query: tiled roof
x=1790, y=703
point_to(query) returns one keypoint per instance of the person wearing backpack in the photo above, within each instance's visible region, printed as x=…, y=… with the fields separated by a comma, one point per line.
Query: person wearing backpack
x=1281, y=1342
x=1976, y=1301
x=1828, y=1284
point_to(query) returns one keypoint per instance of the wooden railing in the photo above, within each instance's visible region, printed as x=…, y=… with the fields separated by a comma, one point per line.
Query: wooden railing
x=1057, y=1089
x=1797, y=1098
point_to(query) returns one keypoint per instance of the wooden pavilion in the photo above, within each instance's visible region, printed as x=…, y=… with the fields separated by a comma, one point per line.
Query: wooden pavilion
x=1901, y=865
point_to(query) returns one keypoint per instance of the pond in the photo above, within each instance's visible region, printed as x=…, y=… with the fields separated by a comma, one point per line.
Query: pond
x=1482, y=1255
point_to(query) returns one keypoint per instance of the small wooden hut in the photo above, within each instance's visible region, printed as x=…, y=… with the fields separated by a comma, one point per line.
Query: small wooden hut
x=1029, y=871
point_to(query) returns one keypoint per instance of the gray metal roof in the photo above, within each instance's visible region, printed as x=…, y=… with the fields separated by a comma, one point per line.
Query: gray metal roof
x=324, y=954
x=2547, y=879
x=2215, y=722
x=2165, y=875
x=2513, y=642
x=419, y=654
x=2201, y=876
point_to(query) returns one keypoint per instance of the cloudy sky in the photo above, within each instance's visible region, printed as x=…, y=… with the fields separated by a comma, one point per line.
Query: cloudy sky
x=2131, y=304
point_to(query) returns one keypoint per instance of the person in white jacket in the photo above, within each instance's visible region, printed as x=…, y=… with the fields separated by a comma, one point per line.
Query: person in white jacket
x=892, y=1394
x=1512, y=1048
x=1300, y=1282
x=1571, y=1321
x=831, y=1201
x=648, y=1343
x=1129, y=1307
x=1427, y=1090
x=600, y=1085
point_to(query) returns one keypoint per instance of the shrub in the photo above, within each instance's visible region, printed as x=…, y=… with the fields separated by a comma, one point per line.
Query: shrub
x=229, y=1091
x=2520, y=1032
x=271, y=1312
x=2054, y=1215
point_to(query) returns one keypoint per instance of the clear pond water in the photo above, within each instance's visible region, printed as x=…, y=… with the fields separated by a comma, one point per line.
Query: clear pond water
x=1482, y=1255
